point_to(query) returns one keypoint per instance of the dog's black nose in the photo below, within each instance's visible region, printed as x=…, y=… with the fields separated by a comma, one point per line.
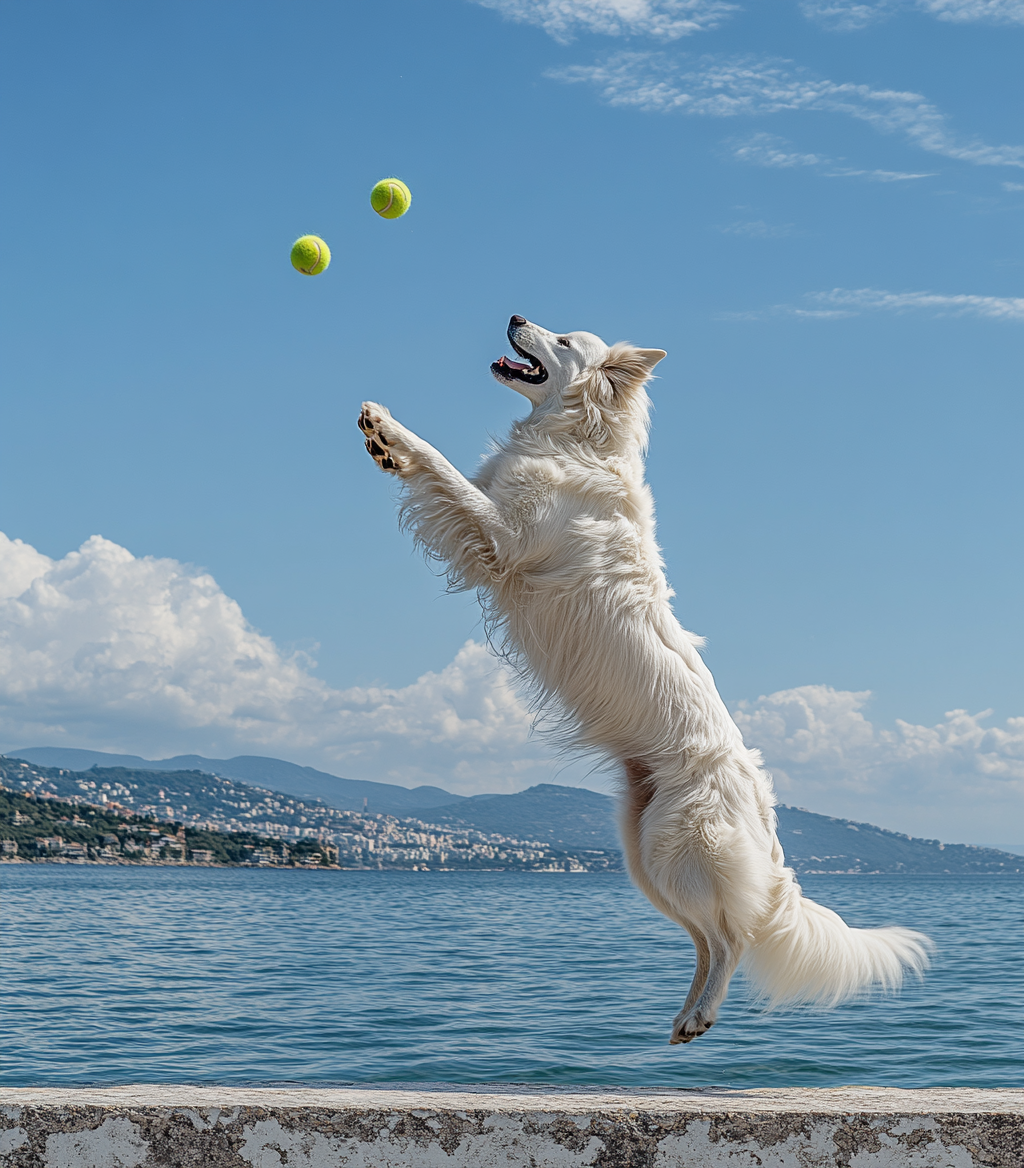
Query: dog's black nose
x=516, y=321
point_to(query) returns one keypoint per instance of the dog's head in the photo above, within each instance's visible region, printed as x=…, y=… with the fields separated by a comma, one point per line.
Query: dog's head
x=577, y=374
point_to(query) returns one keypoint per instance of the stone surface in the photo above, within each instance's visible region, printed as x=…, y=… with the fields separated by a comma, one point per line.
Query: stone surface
x=508, y=1126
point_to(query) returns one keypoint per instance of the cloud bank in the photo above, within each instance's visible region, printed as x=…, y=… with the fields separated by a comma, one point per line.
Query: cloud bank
x=108, y=651
x=825, y=755
x=726, y=87
x=664, y=20
x=105, y=650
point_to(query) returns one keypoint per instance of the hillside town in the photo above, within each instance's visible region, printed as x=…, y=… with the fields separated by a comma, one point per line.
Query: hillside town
x=172, y=807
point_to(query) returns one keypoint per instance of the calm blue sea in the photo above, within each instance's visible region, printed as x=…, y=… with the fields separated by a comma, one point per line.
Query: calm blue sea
x=232, y=975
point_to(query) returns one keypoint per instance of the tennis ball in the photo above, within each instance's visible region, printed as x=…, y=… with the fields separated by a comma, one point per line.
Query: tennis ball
x=310, y=255
x=390, y=198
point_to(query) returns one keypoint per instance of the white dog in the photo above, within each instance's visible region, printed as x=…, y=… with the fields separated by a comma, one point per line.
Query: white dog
x=556, y=531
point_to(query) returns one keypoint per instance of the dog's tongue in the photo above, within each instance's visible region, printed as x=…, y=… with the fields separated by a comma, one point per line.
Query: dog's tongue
x=514, y=364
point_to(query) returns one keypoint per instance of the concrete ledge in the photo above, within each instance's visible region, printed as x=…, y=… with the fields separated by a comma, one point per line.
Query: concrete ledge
x=508, y=1126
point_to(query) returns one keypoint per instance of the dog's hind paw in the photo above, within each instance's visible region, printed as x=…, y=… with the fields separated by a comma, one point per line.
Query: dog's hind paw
x=373, y=421
x=689, y=1026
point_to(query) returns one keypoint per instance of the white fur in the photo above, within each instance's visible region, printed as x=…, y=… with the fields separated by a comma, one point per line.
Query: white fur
x=556, y=531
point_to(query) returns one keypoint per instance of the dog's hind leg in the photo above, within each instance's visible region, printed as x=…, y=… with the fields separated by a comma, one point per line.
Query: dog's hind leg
x=700, y=973
x=698, y=1015
x=639, y=793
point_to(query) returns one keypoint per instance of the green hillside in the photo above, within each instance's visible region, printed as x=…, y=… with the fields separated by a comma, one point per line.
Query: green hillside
x=44, y=828
x=189, y=797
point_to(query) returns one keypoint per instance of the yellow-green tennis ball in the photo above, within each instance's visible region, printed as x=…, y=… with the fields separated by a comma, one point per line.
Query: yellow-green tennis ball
x=390, y=198
x=310, y=255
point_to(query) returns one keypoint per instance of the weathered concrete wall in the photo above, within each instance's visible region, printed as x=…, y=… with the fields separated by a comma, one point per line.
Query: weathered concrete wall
x=426, y=1126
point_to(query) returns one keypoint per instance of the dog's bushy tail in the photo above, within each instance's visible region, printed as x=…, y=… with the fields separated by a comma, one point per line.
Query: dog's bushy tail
x=807, y=953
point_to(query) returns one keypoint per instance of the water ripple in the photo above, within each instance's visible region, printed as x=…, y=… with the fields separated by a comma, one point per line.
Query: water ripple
x=231, y=975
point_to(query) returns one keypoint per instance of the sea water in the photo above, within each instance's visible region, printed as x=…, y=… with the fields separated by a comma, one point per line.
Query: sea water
x=123, y=974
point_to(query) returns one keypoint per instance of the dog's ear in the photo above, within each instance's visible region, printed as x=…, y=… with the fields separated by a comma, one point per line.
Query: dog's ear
x=651, y=357
x=626, y=368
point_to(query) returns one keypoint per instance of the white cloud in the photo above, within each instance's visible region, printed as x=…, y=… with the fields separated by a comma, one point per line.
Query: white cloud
x=874, y=300
x=108, y=651
x=20, y=564
x=770, y=150
x=960, y=780
x=853, y=301
x=885, y=176
x=849, y=15
x=732, y=87
x=963, y=11
x=148, y=656
x=665, y=20
x=846, y=15
x=670, y=19
x=758, y=229
x=1009, y=186
x=846, y=302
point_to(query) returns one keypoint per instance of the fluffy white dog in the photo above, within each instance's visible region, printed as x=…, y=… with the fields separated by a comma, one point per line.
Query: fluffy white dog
x=556, y=531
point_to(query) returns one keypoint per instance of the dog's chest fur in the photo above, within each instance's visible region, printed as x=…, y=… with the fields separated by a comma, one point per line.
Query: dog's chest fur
x=572, y=514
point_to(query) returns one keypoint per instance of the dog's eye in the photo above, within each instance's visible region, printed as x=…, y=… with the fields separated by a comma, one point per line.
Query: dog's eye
x=564, y=341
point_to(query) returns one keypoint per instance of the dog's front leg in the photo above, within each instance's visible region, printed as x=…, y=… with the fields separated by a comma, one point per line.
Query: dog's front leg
x=450, y=517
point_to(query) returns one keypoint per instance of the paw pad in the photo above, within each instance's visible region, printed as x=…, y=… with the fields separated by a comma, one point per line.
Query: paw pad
x=376, y=442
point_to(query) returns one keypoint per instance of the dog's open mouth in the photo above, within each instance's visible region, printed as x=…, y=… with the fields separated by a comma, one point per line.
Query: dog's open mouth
x=507, y=370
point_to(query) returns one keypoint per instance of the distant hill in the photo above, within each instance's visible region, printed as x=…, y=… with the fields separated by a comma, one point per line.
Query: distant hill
x=124, y=809
x=570, y=817
x=578, y=818
x=187, y=796
x=819, y=843
x=1016, y=849
x=274, y=773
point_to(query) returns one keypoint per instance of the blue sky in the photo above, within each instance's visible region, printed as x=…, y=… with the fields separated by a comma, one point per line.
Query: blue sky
x=816, y=209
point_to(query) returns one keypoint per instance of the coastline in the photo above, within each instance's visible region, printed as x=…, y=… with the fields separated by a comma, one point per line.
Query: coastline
x=121, y=862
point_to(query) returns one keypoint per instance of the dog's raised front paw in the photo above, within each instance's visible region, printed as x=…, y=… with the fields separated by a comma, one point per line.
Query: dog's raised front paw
x=689, y=1026
x=380, y=437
